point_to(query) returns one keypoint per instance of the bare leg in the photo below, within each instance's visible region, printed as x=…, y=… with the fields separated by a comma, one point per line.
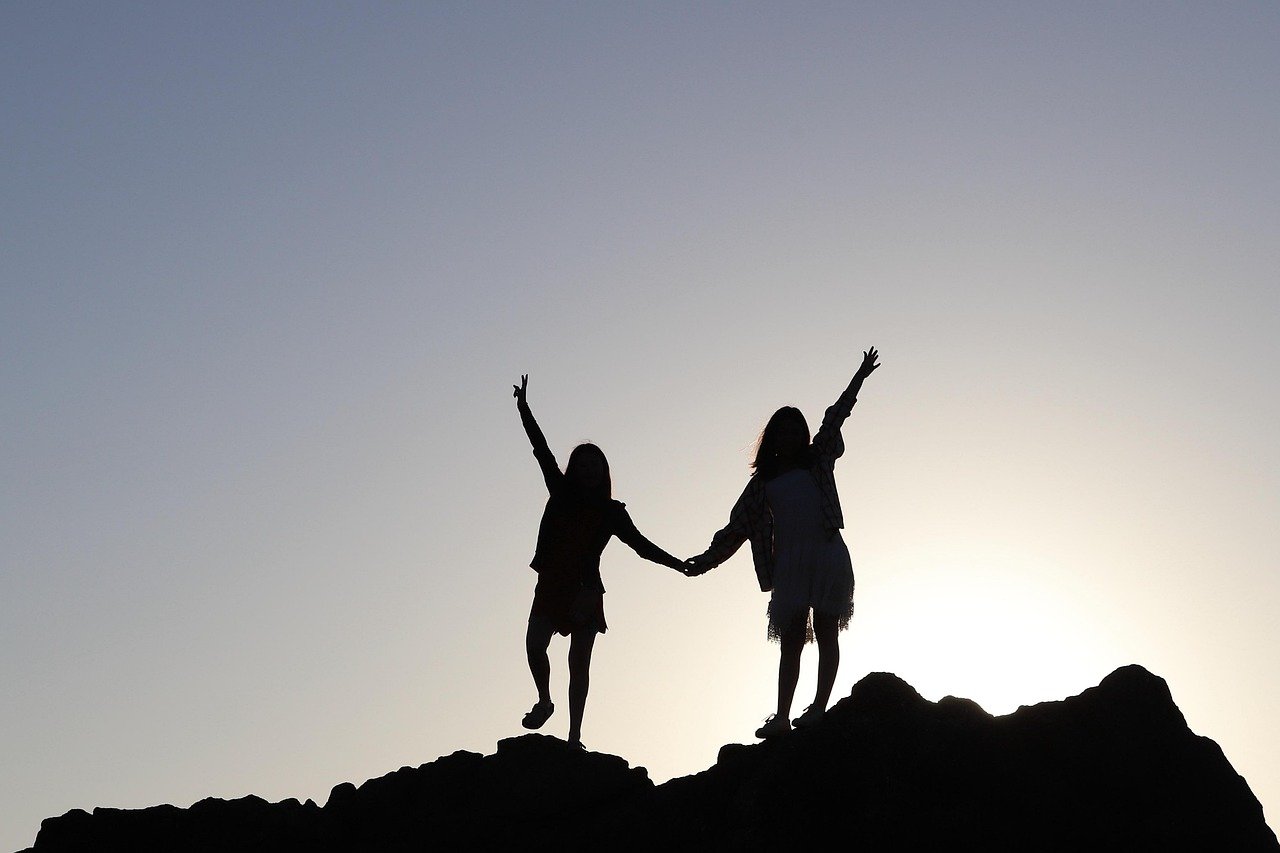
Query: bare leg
x=536, y=641
x=826, y=630
x=789, y=666
x=580, y=647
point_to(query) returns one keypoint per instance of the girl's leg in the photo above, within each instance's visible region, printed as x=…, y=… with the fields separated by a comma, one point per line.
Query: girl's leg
x=536, y=641
x=580, y=647
x=826, y=630
x=792, y=642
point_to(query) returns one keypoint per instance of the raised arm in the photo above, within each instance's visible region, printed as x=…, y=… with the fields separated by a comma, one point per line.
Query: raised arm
x=828, y=441
x=625, y=529
x=546, y=460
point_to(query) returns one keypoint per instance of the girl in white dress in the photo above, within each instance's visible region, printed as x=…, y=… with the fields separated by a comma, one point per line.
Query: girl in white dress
x=790, y=512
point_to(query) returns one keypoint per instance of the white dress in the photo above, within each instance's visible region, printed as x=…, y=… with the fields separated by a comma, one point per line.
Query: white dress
x=811, y=568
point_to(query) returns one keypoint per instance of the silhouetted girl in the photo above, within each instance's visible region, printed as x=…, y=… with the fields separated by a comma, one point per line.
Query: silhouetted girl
x=791, y=513
x=579, y=519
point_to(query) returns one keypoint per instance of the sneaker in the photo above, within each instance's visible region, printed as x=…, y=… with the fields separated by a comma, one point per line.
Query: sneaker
x=538, y=715
x=773, y=727
x=811, y=717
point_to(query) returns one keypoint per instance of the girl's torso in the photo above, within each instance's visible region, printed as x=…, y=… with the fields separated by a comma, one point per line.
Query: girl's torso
x=795, y=502
x=571, y=537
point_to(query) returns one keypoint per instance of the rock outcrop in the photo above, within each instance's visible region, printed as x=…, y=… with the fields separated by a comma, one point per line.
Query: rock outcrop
x=1115, y=768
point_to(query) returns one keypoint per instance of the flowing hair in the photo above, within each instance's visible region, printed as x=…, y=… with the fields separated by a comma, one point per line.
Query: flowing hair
x=601, y=492
x=766, y=461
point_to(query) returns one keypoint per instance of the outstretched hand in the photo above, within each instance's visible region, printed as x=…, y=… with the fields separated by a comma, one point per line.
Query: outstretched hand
x=869, y=363
x=518, y=391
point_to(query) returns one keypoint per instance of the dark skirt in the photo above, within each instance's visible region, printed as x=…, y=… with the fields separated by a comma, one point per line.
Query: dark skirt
x=567, y=607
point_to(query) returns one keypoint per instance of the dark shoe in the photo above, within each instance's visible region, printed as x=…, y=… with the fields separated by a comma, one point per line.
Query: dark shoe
x=773, y=727
x=538, y=715
x=811, y=717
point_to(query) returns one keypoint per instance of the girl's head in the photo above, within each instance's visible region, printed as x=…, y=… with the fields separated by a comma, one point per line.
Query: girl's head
x=588, y=472
x=785, y=439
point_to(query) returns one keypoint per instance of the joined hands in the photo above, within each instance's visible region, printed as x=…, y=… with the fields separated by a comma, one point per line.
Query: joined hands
x=693, y=567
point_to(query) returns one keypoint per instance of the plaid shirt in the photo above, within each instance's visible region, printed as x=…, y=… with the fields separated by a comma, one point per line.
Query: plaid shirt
x=751, y=517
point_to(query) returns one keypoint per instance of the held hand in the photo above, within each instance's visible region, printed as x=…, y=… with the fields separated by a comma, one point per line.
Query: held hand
x=694, y=567
x=869, y=363
x=518, y=391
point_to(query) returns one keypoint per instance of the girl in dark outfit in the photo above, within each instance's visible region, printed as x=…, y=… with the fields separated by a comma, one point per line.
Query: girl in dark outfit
x=579, y=519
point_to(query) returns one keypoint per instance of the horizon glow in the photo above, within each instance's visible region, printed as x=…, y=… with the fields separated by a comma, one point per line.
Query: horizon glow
x=268, y=274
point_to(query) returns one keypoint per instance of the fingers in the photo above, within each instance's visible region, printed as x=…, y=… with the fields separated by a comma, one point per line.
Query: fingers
x=694, y=567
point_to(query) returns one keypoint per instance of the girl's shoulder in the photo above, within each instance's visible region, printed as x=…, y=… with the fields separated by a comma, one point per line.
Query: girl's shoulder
x=616, y=515
x=819, y=460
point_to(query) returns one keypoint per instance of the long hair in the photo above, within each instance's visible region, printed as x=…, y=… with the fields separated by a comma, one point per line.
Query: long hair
x=766, y=461
x=602, y=491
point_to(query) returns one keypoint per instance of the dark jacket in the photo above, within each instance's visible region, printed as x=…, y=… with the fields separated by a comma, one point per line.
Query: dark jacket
x=574, y=530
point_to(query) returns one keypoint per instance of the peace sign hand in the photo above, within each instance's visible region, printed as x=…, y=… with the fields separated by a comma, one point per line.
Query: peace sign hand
x=518, y=391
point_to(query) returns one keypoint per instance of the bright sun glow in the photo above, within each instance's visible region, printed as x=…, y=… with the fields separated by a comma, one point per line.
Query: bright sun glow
x=268, y=280
x=987, y=636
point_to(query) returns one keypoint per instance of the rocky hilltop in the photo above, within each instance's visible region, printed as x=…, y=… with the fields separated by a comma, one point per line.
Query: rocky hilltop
x=1115, y=768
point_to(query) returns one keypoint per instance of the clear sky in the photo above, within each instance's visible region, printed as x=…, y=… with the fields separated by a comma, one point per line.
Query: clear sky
x=268, y=272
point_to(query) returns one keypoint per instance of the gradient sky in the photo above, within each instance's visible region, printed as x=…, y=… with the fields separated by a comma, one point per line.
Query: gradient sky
x=268, y=272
